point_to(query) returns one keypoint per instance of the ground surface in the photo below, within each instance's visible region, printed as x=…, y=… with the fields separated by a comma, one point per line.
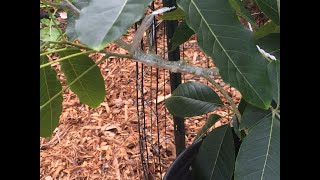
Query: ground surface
x=103, y=143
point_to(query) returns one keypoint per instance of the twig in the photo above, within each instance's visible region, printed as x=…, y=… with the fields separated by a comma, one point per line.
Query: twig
x=63, y=4
x=59, y=135
x=66, y=57
x=51, y=3
x=43, y=45
x=229, y=99
x=67, y=4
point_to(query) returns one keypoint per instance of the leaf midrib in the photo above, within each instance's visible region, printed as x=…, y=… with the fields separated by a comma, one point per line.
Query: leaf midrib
x=220, y=146
x=225, y=50
x=50, y=104
x=217, y=104
x=80, y=81
x=268, y=6
x=267, y=155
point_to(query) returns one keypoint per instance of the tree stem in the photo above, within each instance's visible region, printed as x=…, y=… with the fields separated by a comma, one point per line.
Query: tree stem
x=174, y=66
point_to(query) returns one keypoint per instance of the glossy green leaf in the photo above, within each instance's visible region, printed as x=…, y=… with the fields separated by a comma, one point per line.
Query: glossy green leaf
x=242, y=106
x=270, y=44
x=72, y=17
x=259, y=154
x=253, y=115
x=270, y=9
x=90, y=88
x=242, y=11
x=266, y=29
x=213, y=118
x=181, y=35
x=192, y=99
x=216, y=156
x=102, y=22
x=49, y=87
x=222, y=37
x=274, y=75
x=176, y=14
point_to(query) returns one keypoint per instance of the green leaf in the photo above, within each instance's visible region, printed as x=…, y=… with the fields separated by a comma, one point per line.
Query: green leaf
x=49, y=34
x=49, y=86
x=177, y=14
x=266, y=29
x=252, y=115
x=90, y=88
x=181, y=35
x=102, y=22
x=274, y=75
x=192, y=99
x=216, y=156
x=222, y=37
x=270, y=9
x=270, y=44
x=259, y=154
x=48, y=22
x=213, y=118
x=72, y=17
x=242, y=106
x=238, y=6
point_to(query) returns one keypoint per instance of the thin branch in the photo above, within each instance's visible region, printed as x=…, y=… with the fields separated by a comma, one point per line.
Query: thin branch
x=229, y=99
x=66, y=57
x=123, y=44
x=67, y=4
x=43, y=45
x=55, y=24
x=129, y=56
x=51, y=3
x=63, y=4
x=173, y=66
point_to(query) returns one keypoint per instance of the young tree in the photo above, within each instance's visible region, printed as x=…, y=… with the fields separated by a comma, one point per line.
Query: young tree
x=238, y=53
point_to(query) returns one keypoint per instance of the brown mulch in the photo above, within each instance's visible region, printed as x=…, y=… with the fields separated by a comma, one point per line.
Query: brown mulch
x=103, y=143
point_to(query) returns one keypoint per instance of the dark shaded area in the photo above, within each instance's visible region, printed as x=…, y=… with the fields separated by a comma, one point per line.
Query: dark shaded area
x=181, y=167
x=46, y=15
